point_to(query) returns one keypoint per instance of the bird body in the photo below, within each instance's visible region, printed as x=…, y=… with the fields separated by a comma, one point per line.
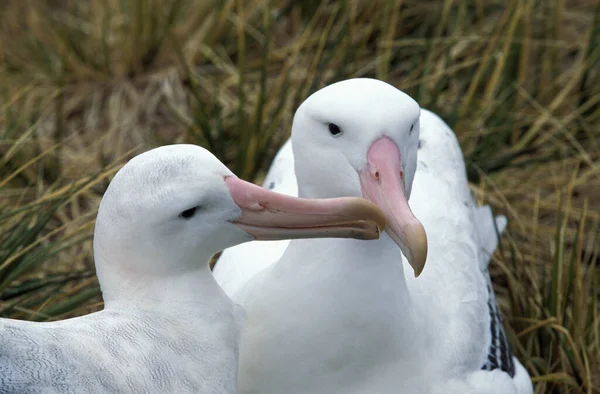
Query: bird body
x=456, y=290
x=346, y=316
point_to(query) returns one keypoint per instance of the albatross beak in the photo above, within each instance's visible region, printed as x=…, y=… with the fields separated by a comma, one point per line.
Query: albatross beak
x=267, y=215
x=382, y=182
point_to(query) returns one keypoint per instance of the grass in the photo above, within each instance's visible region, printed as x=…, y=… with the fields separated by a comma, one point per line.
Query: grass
x=86, y=85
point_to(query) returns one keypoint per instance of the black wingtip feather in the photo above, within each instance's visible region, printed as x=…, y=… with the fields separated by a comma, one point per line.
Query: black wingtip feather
x=499, y=354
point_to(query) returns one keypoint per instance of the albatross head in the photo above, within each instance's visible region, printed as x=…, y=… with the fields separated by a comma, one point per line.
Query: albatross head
x=170, y=209
x=359, y=137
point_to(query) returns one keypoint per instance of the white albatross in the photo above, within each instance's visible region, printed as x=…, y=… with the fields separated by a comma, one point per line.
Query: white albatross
x=167, y=326
x=354, y=328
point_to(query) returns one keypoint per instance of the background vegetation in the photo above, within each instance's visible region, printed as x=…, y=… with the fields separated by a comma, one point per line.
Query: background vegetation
x=84, y=85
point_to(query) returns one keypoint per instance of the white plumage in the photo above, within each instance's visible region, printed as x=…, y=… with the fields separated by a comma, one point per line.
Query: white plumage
x=456, y=288
x=346, y=316
x=167, y=326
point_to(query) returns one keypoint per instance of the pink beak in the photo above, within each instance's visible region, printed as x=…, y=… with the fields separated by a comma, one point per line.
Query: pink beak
x=382, y=182
x=267, y=215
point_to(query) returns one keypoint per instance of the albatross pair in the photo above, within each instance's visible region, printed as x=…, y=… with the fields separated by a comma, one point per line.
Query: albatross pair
x=343, y=316
x=331, y=315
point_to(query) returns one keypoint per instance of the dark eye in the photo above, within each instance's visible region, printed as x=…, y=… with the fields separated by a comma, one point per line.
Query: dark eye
x=412, y=126
x=188, y=213
x=334, y=129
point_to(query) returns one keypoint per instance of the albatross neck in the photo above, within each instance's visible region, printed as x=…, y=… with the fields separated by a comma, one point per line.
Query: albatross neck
x=354, y=292
x=169, y=292
x=361, y=271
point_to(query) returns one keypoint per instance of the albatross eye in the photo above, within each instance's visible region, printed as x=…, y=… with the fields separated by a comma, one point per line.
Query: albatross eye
x=334, y=130
x=412, y=126
x=188, y=213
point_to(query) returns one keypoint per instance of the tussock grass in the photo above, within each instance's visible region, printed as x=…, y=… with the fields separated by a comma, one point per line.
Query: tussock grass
x=85, y=85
